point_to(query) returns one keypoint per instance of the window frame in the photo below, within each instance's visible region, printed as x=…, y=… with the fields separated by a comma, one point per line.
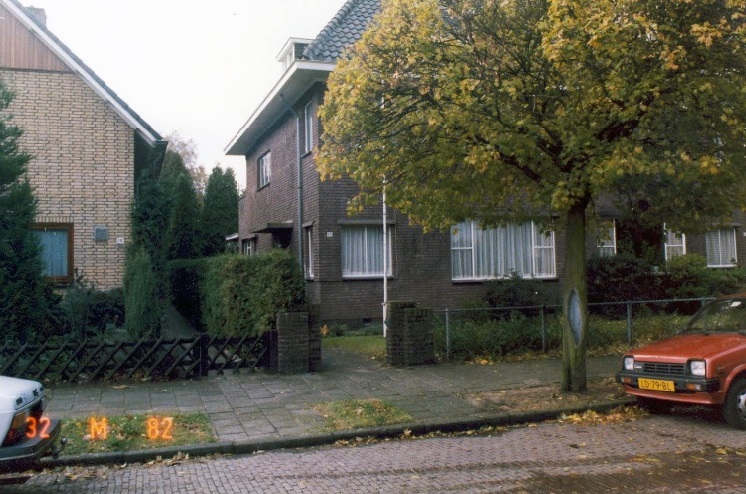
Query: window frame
x=264, y=170
x=308, y=118
x=547, y=244
x=309, y=254
x=248, y=246
x=669, y=246
x=730, y=231
x=70, y=229
x=607, y=247
x=367, y=274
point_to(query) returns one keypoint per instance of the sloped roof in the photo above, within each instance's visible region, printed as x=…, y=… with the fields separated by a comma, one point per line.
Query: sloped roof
x=76, y=64
x=317, y=62
x=343, y=30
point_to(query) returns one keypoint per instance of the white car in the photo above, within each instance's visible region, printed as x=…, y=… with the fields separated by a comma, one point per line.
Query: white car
x=27, y=433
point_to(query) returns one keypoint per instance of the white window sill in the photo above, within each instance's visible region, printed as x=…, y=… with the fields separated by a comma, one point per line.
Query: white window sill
x=482, y=280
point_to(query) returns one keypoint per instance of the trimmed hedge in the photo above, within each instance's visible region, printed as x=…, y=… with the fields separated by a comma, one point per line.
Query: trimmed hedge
x=235, y=295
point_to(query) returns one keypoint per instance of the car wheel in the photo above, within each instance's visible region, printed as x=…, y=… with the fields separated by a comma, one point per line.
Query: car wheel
x=734, y=408
x=653, y=406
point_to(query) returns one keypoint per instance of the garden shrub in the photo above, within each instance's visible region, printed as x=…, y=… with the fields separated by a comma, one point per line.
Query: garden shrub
x=142, y=303
x=515, y=292
x=511, y=335
x=89, y=312
x=621, y=278
x=242, y=294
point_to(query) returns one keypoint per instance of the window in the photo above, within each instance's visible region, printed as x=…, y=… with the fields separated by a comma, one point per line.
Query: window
x=675, y=244
x=607, y=239
x=264, y=169
x=362, y=251
x=309, y=252
x=721, y=248
x=248, y=246
x=308, y=127
x=478, y=254
x=56, y=241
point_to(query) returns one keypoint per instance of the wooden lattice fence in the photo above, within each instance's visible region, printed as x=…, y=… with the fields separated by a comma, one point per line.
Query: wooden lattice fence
x=72, y=360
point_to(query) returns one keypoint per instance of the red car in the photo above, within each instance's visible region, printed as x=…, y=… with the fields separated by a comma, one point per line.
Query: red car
x=704, y=364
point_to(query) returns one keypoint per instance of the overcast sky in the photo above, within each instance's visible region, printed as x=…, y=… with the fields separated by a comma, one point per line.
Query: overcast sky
x=197, y=68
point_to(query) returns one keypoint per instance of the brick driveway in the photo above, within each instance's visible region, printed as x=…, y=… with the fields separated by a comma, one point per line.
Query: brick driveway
x=651, y=455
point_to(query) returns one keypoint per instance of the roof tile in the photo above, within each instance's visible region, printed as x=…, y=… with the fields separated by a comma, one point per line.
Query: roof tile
x=343, y=30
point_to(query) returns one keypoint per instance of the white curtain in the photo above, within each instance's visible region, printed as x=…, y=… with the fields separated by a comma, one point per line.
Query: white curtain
x=362, y=250
x=54, y=251
x=500, y=252
x=721, y=247
x=462, y=251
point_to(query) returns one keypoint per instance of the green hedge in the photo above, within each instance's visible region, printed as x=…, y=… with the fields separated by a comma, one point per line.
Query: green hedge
x=142, y=303
x=234, y=295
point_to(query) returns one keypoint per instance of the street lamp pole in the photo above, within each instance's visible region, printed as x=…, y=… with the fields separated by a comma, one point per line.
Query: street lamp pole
x=385, y=263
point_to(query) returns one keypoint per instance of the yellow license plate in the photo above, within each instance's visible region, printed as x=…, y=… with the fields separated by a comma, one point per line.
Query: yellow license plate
x=656, y=385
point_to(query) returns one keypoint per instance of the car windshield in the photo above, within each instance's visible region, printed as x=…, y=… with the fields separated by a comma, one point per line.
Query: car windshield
x=720, y=316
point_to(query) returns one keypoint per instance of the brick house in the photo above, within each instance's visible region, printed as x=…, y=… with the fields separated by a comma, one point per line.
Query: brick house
x=87, y=147
x=286, y=205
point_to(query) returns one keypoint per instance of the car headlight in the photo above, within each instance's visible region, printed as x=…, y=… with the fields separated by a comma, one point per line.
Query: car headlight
x=697, y=368
x=629, y=363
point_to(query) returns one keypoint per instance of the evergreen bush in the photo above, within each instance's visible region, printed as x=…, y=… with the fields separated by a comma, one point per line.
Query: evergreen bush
x=242, y=294
x=142, y=304
x=89, y=312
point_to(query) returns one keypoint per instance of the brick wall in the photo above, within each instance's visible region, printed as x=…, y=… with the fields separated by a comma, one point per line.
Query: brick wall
x=421, y=262
x=409, y=340
x=294, y=343
x=82, y=170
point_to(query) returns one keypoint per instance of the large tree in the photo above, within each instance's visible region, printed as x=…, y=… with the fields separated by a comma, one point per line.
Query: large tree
x=219, y=211
x=507, y=110
x=23, y=294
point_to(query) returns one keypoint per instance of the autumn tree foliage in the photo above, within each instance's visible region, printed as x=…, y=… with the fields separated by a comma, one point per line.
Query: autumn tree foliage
x=507, y=110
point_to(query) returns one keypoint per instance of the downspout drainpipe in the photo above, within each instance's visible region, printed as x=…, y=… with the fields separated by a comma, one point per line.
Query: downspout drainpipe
x=299, y=171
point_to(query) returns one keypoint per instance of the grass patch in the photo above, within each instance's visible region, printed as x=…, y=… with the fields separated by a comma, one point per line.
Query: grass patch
x=135, y=432
x=356, y=414
x=372, y=346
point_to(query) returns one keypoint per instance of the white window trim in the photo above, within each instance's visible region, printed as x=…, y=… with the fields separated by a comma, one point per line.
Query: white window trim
x=309, y=259
x=308, y=127
x=535, y=248
x=720, y=231
x=668, y=246
x=369, y=276
x=609, y=244
x=264, y=170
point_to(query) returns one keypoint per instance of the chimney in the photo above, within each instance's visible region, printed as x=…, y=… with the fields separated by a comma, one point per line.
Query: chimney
x=39, y=14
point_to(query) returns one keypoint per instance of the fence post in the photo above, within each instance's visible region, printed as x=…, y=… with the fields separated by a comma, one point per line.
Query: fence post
x=204, y=355
x=448, y=336
x=543, y=330
x=629, y=324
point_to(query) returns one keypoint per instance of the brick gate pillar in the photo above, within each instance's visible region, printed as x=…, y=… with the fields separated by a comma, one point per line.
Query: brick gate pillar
x=409, y=337
x=293, y=343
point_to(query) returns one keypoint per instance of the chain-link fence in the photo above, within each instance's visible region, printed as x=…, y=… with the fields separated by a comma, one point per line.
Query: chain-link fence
x=503, y=331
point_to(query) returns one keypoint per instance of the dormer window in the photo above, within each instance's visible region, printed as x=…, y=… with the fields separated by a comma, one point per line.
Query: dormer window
x=292, y=51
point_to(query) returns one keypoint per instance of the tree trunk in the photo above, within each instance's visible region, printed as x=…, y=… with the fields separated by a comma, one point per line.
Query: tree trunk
x=574, y=302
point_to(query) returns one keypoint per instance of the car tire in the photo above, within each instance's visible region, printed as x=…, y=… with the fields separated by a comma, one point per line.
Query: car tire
x=653, y=406
x=734, y=409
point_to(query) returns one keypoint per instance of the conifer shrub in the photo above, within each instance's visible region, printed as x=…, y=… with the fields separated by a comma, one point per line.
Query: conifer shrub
x=241, y=295
x=143, y=307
